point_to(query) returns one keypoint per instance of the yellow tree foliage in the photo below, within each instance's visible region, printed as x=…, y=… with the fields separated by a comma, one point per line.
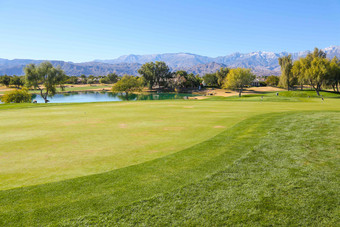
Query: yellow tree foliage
x=238, y=78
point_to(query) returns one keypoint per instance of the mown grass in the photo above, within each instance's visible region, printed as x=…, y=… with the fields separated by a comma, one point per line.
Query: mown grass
x=56, y=201
x=309, y=93
x=283, y=96
x=291, y=178
x=93, y=195
x=242, y=128
x=53, y=142
x=72, y=140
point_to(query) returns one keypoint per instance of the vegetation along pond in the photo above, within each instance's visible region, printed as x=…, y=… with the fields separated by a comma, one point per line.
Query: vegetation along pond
x=108, y=96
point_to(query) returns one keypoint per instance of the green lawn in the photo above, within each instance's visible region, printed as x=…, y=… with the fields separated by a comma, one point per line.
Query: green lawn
x=274, y=183
x=90, y=163
x=284, y=96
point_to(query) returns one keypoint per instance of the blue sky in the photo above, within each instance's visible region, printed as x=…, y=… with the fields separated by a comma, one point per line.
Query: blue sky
x=86, y=30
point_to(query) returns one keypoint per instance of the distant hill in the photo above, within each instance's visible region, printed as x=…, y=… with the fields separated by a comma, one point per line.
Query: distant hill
x=262, y=63
x=202, y=68
x=173, y=60
x=15, y=67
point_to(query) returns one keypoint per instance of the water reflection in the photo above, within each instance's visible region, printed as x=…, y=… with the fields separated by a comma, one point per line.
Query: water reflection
x=100, y=96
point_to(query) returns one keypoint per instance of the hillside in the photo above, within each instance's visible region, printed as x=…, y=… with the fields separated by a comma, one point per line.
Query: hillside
x=262, y=63
x=15, y=67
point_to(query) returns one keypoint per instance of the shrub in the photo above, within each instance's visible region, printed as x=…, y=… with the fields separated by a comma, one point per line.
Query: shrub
x=17, y=96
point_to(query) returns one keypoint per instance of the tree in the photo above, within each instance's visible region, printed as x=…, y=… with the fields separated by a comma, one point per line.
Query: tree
x=84, y=79
x=5, y=80
x=180, y=79
x=238, y=78
x=163, y=73
x=90, y=81
x=148, y=72
x=192, y=81
x=184, y=80
x=335, y=73
x=315, y=69
x=155, y=73
x=104, y=80
x=45, y=78
x=210, y=79
x=72, y=80
x=317, y=73
x=286, y=64
x=17, y=96
x=112, y=78
x=272, y=80
x=297, y=72
x=128, y=84
x=221, y=75
x=16, y=81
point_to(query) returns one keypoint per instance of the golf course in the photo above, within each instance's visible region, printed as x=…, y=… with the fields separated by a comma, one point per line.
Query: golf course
x=260, y=159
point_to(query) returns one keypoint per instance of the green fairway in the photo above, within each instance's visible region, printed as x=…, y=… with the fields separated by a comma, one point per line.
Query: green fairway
x=275, y=183
x=97, y=157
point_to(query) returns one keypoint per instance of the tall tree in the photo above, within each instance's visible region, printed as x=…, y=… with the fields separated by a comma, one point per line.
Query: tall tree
x=298, y=73
x=163, y=73
x=335, y=73
x=221, y=74
x=238, y=78
x=318, y=73
x=45, y=78
x=148, y=72
x=155, y=73
x=315, y=69
x=286, y=64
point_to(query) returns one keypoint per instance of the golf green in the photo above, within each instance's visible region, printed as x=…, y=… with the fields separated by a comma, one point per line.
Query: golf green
x=95, y=157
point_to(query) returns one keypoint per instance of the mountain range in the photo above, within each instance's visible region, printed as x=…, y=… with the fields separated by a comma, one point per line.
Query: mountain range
x=262, y=63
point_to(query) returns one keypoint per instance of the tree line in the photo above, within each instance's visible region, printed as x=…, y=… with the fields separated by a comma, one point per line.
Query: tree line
x=315, y=70
x=19, y=81
x=155, y=75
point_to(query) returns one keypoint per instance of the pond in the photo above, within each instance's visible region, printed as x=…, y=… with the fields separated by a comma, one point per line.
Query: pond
x=108, y=96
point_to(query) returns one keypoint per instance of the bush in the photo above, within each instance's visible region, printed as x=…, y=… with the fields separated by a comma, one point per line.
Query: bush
x=17, y=96
x=128, y=84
